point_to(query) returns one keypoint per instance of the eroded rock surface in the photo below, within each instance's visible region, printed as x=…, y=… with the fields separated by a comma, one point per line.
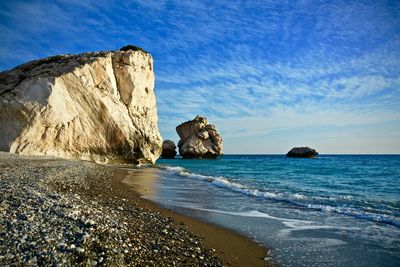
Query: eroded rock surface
x=98, y=106
x=302, y=152
x=199, y=139
x=168, y=149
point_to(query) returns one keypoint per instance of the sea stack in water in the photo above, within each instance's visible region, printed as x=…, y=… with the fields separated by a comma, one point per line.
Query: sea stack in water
x=168, y=149
x=302, y=152
x=97, y=106
x=199, y=139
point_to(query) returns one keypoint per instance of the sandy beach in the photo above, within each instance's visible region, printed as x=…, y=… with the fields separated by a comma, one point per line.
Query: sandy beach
x=69, y=212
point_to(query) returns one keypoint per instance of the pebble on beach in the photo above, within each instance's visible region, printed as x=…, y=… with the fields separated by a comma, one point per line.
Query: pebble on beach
x=62, y=212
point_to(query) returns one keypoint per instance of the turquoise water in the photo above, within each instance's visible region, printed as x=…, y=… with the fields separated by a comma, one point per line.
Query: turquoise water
x=334, y=210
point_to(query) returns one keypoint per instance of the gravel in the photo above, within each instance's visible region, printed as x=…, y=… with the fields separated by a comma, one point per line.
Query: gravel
x=68, y=213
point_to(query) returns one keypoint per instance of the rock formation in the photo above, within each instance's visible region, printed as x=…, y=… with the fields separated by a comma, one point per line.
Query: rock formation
x=302, y=152
x=168, y=149
x=97, y=106
x=199, y=139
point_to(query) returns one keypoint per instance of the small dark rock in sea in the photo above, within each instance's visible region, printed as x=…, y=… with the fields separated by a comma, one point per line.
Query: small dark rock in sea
x=302, y=152
x=168, y=149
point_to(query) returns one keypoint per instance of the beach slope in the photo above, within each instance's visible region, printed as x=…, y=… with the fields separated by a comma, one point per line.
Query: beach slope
x=74, y=212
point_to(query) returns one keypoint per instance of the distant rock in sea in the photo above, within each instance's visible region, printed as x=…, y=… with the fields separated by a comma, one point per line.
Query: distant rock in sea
x=199, y=139
x=168, y=149
x=97, y=106
x=302, y=152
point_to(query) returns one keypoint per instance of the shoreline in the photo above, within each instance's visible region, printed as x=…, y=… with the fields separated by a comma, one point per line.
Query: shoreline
x=233, y=248
x=75, y=212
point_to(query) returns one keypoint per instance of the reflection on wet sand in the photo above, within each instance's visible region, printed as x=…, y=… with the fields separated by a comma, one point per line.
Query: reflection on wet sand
x=143, y=181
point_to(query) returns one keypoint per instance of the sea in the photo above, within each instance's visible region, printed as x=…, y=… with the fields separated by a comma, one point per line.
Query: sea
x=332, y=210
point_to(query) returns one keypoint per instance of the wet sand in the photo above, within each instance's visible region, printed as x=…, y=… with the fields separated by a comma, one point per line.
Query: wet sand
x=233, y=248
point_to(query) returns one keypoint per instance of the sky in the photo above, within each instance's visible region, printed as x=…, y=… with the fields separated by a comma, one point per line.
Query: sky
x=270, y=74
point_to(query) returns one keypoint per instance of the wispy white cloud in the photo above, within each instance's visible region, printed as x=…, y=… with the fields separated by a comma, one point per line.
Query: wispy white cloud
x=252, y=67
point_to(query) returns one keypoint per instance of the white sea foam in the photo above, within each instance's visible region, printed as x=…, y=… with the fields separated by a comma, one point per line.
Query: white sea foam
x=223, y=182
x=388, y=219
x=172, y=168
x=256, y=214
x=234, y=186
x=291, y=224
x=297, y=227
x=296, y=198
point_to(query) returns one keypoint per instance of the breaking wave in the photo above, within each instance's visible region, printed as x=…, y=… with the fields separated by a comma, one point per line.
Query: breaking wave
x=310, y=202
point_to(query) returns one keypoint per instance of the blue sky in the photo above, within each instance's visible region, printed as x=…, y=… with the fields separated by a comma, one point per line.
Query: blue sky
x=270, y=74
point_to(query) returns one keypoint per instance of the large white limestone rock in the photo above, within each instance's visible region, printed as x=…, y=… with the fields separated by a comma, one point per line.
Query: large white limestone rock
x=96, y=106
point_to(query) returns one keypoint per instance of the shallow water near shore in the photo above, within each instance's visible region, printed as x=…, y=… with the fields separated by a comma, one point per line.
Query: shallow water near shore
x=336, y=210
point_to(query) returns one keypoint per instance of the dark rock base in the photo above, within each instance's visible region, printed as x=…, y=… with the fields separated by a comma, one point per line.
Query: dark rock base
x=203, y=156
x=168, y=155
